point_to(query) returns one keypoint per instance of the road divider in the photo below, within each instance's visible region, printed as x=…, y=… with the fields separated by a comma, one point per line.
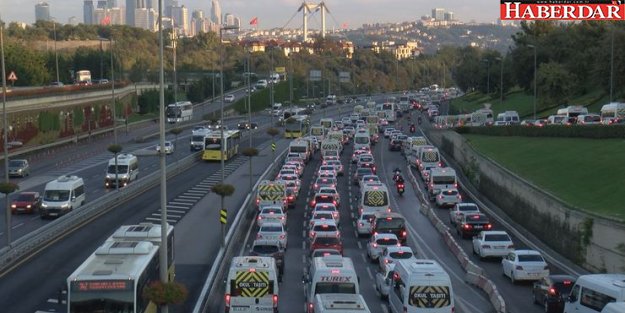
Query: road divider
x=474, y=273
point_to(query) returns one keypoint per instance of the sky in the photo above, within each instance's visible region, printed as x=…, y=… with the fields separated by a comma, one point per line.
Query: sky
x=276, y=13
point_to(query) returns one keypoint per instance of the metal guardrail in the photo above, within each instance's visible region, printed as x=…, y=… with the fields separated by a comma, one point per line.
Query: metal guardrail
x=27, y=245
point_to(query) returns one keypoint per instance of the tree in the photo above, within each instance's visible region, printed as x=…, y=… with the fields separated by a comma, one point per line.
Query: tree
x=6, y=188
x=115, y=149
x=223, y=190
x=555, y=84
x=250, y=152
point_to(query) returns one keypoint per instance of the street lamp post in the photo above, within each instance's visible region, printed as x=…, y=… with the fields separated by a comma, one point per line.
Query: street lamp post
x=534, y=47
x=56, y=54
x=612, y=68
x=163, y=164
x=113, y=95
x=174, y=44
x=500, y=79
x=5, y=133
x=487, y=75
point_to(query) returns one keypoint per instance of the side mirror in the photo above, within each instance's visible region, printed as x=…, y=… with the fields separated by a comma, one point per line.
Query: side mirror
x=571, y=298
x=387, y=281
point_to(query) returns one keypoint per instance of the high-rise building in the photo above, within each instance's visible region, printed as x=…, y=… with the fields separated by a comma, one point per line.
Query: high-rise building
x=102, y=4
x=197, y=14
x=216, y=12
x=181, y=19
x=145, y=18
x=117, y=16
x=168, y=5
x=87, y=11
x=237, y=22
x=42, y=11
x=229, y=19
x=99, y=15
x=111, y=4
x=438, y=14
x=449, y=16
x=131, y=5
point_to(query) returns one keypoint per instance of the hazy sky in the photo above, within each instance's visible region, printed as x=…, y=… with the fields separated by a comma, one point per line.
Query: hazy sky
x=276, y=13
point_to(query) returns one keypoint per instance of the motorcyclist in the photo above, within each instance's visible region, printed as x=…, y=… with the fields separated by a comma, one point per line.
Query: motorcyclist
x=419, y=120
x=397, y=174
x=413, y=128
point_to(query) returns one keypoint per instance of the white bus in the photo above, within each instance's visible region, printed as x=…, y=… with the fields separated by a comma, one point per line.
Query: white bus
x=179, y=112
x=389, y=109
x=113, y=278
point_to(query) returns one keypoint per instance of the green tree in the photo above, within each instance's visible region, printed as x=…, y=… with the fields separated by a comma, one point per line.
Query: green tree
x=555, y=84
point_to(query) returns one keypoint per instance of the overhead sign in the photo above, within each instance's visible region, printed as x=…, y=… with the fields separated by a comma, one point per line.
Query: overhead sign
x=315, y=75
x=281, y=69
x=344, y=77
x=12, y=77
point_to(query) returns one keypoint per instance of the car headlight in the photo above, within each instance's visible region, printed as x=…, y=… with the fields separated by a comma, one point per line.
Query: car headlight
x=13, y=206
x=28, y=206
x=43, y=205
x=65, y=205
x=19, y=170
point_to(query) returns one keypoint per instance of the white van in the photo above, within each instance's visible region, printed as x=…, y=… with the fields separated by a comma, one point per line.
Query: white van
x=302, y=147
x=127, y=170
x=508, y=118
x=556, y=119
x=340, y=303
x=332, y=274
x=571, y=112
x=362, y=140
x=252, y=285
x=591, y=293
x=374, y=198
x=441, y=178
x=62, y=195
x=612, y=111
x=614, y=307
x=428, y=157
x=421, y=286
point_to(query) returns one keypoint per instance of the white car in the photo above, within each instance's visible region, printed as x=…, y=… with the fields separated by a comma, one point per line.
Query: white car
x=448, y=197
x=363, y=224
x=338, y=166
x=273, y=231
x=324, y=228
x=524, y=265
x=328, y=208
x=229, y=98
x=391, y=254
x=271, y=214
x=320, y=217
x=388, y=131
x=378, y=242
x=383, y=279
x=367, y=179
x=330, y=191
x=460, y=209
x=169, y=147
x=492, y=243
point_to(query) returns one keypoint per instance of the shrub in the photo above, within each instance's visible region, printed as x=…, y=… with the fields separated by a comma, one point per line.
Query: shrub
x=590, y=131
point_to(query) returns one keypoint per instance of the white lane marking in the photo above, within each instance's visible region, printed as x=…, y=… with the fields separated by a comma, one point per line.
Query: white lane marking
x=384, y=308
x=303, y=234
x=364, y=259
x=247, y=235
x=303, y=259
x=183, y=201
x=158, y=220
x=168, y=215
x=303, y=245
x=178, y=207
x=359, y=245
x=17, y=225
x=174, y=211
x=185, y=196
x=369, y=272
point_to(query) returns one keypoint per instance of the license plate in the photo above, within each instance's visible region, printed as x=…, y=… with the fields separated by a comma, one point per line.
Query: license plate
x=496, y=247
x=477, y=226
x=240, y=308
x=53, y=214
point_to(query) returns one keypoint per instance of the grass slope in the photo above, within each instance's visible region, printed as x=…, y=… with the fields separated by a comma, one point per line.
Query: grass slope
x=584, y=173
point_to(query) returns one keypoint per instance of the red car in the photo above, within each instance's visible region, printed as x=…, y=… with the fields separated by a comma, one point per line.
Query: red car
x=330, y=241
x=26, y=202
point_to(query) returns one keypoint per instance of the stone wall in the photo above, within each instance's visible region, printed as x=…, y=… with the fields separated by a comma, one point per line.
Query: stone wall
x=594, y=242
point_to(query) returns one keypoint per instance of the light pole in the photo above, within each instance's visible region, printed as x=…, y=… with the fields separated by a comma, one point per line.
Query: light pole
x=271, y=99
x=612, y=68
x=113, y=106
x=56, y=54
x=174, y=44
x=487, y=75
x=163, y=164
x=534, y=47
x=5, y=133
x=500, y=79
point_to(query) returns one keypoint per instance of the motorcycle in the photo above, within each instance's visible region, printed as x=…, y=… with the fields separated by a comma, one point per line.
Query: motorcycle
x=413, y=129
x=400, y=188
x=419, y=120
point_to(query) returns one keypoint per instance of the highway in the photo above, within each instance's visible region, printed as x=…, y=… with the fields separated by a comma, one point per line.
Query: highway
x=423, y=238
x=60, y=258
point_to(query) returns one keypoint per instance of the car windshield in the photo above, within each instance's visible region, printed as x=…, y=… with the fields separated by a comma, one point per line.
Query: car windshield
x=120, y=169
x=348, y=288
x=530, y=258
x=25, y=197
x=197, y=138
x=271, y=229
x=386, y=241
x=265, y=249
x=467, y=208
x=563, y=288
x=497, y=237
x=366, y=217
x=322, y=216
x=324, y=199
x=56, y=195
x=390, y=223
x=476, y=218
x=16, y=163
x=327, y=240
x=364, y=171
x=430, y=156
x=321, y=253
x=444, y=180
x=326, y=181
x=400, y=255
x=271, y=211
x=325, y=227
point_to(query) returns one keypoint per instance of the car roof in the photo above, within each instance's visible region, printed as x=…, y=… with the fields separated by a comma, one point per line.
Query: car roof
x=494, y=232
x=526, y=252
x=275, y=224
x=399, y=248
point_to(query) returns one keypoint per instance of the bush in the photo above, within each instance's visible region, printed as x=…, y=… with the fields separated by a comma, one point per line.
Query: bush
x=165, y=293
x=589, y=132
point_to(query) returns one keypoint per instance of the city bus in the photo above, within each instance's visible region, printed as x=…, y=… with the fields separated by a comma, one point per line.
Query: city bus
x=212, y=145
x=152, y=233
x=295, y=128
x=113, y=279
x=327, y=123
x=389, y=110
x=179, y=112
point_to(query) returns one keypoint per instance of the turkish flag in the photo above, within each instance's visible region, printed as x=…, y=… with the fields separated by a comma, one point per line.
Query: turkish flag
x=106, y=21
x=254, y=21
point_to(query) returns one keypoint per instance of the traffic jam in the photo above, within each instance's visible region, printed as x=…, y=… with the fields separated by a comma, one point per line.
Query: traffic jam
x=405, y=282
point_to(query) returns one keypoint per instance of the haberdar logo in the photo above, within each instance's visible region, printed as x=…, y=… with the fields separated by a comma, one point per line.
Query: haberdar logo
x=567, y=10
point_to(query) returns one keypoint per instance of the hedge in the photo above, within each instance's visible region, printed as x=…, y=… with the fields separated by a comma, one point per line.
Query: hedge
x=589, y=131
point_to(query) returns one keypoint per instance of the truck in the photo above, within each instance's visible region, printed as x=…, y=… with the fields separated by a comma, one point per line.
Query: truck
x=271, y=193
x=83, y=77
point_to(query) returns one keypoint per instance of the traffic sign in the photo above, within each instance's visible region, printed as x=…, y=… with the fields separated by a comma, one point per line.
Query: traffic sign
x=223, y=216
x=273, y=146
x=12, y=77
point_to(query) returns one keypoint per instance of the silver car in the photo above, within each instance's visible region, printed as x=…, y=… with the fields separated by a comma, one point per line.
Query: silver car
x=383, y=279
x=19, y=168
x=273, y=231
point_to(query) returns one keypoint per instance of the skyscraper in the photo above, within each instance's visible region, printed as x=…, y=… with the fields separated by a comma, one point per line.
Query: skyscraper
x=180, y=15
x=87, y=11
x=216, y=12
x=449, y=16
x=229, y=19
x=168, y=5
x=42, y=11
x=101, y=4
x=438, y=14
x=111, y=4
x=131, y=5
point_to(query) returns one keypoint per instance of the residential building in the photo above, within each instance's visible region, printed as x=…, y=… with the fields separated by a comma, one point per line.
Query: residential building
x=229, y=19
x=42, y=11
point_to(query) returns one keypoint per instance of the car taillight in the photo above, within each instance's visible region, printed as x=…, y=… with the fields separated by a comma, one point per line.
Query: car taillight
x=467, y=226
x=488, y=226
x=257, y=201
x=388, y=209
x=459, y=197
x=403, y=233
x=260, y=218
x=361, y=224
x=281, y=217
x=316, y=186
x=335, y=214
x=519, y=267
x=227, y=298
x=312, y=234
x=552, y=291
x=275, y=301
x=334, y=202
x=259, y=236
x=312, y=203
x=310, y=308
x=456, y=185
x=510, y=246
x=440, y=197
x=375, y=245
x=440, y=164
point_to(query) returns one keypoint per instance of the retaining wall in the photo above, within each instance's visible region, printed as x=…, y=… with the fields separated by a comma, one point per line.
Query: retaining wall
x=592, y=241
